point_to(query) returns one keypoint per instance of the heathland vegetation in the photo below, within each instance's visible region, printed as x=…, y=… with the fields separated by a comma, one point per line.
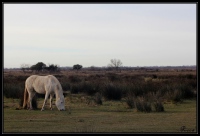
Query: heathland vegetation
x=140, y=90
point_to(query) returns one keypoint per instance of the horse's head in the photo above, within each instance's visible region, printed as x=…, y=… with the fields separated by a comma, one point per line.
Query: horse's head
x=60, y=103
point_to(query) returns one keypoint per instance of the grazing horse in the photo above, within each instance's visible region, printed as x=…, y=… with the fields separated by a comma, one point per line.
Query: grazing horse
x=48, y=85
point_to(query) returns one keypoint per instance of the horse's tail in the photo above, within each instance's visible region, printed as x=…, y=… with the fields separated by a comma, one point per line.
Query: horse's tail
x=25, y=98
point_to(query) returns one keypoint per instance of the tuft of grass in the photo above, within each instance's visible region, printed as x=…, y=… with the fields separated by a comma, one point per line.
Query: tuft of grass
x=98, y=98
x=130, y=101
x=174, y=96
x=143, y=105
x=158, y=106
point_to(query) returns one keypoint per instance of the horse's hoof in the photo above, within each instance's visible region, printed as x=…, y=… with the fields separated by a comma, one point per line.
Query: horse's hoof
x=42, y=109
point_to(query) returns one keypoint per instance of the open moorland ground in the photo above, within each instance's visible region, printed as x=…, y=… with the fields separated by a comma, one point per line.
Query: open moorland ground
x=127, y=103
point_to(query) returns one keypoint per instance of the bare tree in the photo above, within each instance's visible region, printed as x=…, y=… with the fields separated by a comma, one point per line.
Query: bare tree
x=115, y=63
x=25, y=67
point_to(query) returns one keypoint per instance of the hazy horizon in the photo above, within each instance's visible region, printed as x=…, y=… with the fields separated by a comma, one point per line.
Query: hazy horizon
x=93, y=34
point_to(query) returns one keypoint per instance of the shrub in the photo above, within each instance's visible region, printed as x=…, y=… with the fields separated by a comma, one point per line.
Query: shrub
x=75, y=88
x=98, y=98
x=186, y=91
x=137, y=89
x=147, y=106
x=112, y=92
x=12, y=90
x=190, y=76
x=143, y=105
x=90, y=88
x=158, y=106
x=113, y=77
x=74, y=79
x=175, y=96
x=130, y=101
x=154, y=76
x=65, y=86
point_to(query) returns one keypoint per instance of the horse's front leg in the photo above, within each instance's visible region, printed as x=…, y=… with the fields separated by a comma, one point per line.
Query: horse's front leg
x=51, y=99
x=45, y=100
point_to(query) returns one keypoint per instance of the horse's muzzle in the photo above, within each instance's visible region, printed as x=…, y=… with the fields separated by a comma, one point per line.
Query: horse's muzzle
x=62, y=109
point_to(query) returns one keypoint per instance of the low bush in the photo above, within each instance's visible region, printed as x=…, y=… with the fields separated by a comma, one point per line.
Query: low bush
x=174, y=96
x=75, y=88
x=142, y=105
x=158, y=106
x=112, y=92
x=65, y=86
x=130, y=101
x=74, y=79
x=113, y=77
x=186, y=91
x=12, y=90
x=98, y=98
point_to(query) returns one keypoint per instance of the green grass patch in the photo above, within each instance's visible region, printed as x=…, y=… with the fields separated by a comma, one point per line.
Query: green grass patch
x=111, y=116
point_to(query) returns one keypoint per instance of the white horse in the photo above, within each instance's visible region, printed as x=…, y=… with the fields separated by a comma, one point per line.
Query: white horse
x=48, y=85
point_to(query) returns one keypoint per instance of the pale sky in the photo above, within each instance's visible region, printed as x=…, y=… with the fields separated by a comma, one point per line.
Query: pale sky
x=93, y=34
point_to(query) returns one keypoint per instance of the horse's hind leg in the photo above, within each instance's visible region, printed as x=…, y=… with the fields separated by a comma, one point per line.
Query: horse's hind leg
x=31, y=95
x=45, y=100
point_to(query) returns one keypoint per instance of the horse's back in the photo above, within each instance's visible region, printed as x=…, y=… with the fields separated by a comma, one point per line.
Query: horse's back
x=41, y=84
x=29, y=81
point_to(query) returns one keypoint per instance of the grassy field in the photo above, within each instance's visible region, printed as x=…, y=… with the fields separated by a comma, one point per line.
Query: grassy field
x=111, y=117
x=176, y=90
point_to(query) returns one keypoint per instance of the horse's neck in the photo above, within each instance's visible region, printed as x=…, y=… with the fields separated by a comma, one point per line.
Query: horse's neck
x=58, y=93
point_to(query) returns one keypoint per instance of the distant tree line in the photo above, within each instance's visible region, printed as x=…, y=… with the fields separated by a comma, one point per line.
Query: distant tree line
x=40, y=66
